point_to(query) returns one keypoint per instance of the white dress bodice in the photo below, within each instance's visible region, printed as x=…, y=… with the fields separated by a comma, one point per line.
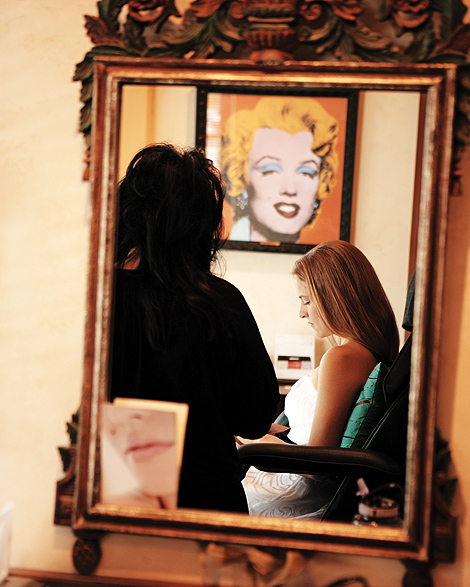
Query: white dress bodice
x=299, y=408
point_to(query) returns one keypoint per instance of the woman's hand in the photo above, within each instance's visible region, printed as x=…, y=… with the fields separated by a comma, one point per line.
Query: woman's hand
x=276, y=428
x=267, y=439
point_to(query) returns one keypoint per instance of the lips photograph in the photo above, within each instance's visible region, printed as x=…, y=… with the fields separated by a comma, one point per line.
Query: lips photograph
x=139, y=440
x=142, y=452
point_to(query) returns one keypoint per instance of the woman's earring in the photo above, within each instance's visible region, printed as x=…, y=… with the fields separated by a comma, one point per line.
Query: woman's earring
x=242, y=200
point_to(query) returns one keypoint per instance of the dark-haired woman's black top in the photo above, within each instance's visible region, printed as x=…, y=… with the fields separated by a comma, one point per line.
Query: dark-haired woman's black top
x=228, y=382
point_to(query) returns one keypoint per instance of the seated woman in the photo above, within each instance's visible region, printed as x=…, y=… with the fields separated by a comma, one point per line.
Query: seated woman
x=341, y=297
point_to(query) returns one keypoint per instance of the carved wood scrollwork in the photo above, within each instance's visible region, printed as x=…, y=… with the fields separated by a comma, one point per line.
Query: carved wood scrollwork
x=403, y=31
x=66, y=486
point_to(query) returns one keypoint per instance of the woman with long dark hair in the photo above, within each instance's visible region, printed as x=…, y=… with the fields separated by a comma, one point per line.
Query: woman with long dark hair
x=182, y=334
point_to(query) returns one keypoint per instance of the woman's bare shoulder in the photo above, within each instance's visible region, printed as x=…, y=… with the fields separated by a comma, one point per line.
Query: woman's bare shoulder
x=350, y=356
x=347, y=351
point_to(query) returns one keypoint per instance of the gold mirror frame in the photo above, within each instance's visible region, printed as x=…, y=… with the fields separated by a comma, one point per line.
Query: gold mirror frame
x=437, y=85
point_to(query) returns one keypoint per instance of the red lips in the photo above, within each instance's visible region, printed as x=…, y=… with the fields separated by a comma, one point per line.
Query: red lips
x=145, y=452
x=287, y=210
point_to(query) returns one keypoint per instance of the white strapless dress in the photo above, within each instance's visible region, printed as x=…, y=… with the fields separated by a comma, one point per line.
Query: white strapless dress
x=285, y=494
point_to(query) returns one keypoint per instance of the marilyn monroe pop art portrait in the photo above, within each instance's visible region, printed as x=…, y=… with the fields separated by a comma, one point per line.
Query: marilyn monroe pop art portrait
x=282, y=159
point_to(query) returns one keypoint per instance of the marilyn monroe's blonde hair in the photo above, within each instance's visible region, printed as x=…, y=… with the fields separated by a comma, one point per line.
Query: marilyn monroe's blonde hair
x=349, y=297
x=291, y=115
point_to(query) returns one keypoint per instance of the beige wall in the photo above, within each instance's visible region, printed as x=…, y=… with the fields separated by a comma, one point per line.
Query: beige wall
x=44, y=216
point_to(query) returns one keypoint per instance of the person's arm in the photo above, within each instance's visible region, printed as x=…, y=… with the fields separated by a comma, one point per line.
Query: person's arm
x=268, y=438
x=251, y=388
x=341, y=375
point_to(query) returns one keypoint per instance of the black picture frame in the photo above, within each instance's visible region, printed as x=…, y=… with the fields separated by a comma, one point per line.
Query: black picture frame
x=334, y=220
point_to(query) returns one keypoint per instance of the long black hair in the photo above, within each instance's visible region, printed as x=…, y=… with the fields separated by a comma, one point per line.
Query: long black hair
x=171, y=227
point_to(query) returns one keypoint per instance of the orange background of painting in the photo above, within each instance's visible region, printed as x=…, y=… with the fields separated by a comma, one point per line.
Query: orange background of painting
x=327, y=226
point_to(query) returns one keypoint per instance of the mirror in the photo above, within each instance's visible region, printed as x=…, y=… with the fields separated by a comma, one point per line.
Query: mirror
x=431, y=89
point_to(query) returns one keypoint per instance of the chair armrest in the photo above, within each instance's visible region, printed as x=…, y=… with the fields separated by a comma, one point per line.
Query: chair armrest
x=312, y=460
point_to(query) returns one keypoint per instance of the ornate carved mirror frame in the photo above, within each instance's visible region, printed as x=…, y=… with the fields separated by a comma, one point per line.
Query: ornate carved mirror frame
x=214, y=29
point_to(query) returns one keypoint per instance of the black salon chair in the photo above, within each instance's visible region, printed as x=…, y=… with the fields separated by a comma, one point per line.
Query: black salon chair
x=379, y=459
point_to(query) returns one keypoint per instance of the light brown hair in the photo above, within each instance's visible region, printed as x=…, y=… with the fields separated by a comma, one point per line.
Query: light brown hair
x=349, y=297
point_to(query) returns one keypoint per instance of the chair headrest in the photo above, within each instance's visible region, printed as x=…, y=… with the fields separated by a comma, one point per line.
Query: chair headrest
x=410, y=302
x=397, y=379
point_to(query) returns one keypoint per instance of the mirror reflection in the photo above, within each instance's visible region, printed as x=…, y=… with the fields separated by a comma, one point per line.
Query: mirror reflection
x=187, y=334
x=383, y=202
